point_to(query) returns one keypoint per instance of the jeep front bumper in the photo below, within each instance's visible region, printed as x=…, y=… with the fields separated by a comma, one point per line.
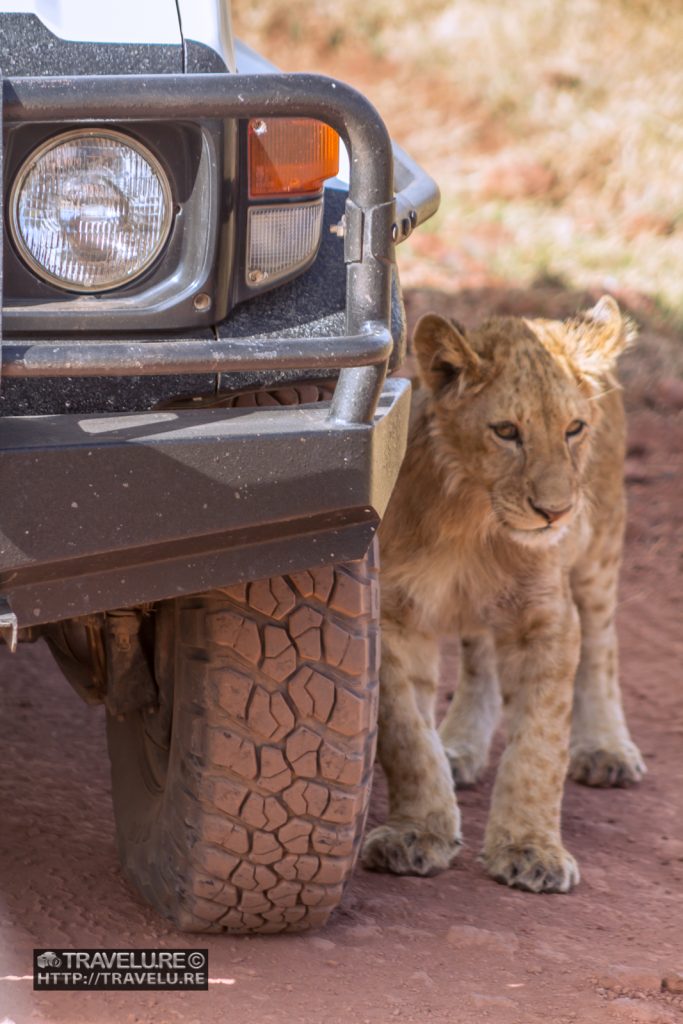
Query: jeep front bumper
x=109, y=511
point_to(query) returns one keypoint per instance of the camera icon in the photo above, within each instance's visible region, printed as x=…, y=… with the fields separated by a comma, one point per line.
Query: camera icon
x=48, y=959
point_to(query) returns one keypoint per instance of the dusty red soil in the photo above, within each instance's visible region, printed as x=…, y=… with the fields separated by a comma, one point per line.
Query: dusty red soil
x=455, y=948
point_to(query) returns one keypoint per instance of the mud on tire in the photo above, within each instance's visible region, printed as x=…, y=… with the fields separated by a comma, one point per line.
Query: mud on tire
x=240, y=804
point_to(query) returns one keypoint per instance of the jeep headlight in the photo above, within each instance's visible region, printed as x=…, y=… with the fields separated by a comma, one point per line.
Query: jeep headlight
x=90, y=210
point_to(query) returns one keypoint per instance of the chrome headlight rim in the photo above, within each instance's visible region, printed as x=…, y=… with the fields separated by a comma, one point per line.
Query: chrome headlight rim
x=53, y=143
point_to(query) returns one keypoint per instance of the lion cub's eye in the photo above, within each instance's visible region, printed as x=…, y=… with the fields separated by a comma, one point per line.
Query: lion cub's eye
x=506, y=431
x=575, y=428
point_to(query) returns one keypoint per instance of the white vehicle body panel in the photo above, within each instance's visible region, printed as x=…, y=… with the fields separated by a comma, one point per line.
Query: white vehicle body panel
x=105, y=21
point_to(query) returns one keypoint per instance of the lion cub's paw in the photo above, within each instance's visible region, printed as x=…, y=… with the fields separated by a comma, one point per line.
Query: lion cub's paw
x=619, y=766
x=408, y=850
x=467, y=766
x=542, y=868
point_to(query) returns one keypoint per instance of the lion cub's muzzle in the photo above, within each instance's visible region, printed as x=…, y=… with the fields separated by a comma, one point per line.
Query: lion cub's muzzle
x=545, y=524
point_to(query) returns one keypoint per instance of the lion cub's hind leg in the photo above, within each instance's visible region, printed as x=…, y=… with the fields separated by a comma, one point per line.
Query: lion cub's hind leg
x=471, y=719
x=602, y=751
x=422, y=834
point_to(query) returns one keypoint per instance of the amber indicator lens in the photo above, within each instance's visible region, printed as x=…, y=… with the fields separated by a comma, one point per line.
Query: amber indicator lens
x=290, y=156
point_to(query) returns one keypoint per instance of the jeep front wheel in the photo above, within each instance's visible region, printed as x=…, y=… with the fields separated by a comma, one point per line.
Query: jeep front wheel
x=241, y=799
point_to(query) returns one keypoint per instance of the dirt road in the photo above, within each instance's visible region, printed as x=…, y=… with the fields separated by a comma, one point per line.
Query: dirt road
x=456, y=948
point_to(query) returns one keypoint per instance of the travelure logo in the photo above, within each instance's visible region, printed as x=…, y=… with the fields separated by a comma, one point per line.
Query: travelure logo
x=142, y=969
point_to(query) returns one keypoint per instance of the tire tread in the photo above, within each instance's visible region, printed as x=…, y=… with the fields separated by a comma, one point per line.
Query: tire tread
x=276, y=691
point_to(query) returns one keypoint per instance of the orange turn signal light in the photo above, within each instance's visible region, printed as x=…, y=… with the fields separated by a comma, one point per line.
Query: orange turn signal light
x=290, y=156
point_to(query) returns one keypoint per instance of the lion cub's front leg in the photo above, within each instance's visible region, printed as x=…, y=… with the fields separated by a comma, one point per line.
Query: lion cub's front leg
x=422, y=834
x=537, y=661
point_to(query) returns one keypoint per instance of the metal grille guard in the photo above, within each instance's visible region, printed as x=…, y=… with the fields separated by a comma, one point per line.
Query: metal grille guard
x=375, y=220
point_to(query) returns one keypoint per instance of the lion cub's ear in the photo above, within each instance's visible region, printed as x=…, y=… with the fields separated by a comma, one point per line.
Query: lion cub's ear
x=444, y=355
x=597, y=338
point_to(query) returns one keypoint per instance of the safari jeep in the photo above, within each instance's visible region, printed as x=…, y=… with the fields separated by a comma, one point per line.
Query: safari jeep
x=198, y=436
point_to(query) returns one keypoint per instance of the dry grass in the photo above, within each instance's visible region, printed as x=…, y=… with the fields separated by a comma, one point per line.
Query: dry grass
x=554, y=129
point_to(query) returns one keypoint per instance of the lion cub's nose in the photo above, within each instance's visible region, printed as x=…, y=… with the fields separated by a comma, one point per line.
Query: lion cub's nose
x=550, y=514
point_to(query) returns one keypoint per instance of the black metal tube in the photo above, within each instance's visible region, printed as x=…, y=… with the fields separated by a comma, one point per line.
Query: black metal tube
x=60, y=358
x=153, y=97
x=371, y=198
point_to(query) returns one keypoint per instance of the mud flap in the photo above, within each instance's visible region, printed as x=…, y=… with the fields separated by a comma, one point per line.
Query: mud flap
x=9, y=627
x=130, y=685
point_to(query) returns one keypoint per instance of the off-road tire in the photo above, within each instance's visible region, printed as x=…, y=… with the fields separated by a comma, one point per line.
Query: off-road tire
x=240, y=805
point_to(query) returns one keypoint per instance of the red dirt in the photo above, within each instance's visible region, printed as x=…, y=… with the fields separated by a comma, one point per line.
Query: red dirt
x=455, y=948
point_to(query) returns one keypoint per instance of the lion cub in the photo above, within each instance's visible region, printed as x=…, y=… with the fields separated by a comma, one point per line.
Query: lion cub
x=506, y=525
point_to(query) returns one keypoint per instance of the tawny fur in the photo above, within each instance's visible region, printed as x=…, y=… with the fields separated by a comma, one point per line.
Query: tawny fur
x=515, y=543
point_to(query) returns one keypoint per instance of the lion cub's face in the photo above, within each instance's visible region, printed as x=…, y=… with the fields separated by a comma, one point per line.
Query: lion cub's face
x=516, y=406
